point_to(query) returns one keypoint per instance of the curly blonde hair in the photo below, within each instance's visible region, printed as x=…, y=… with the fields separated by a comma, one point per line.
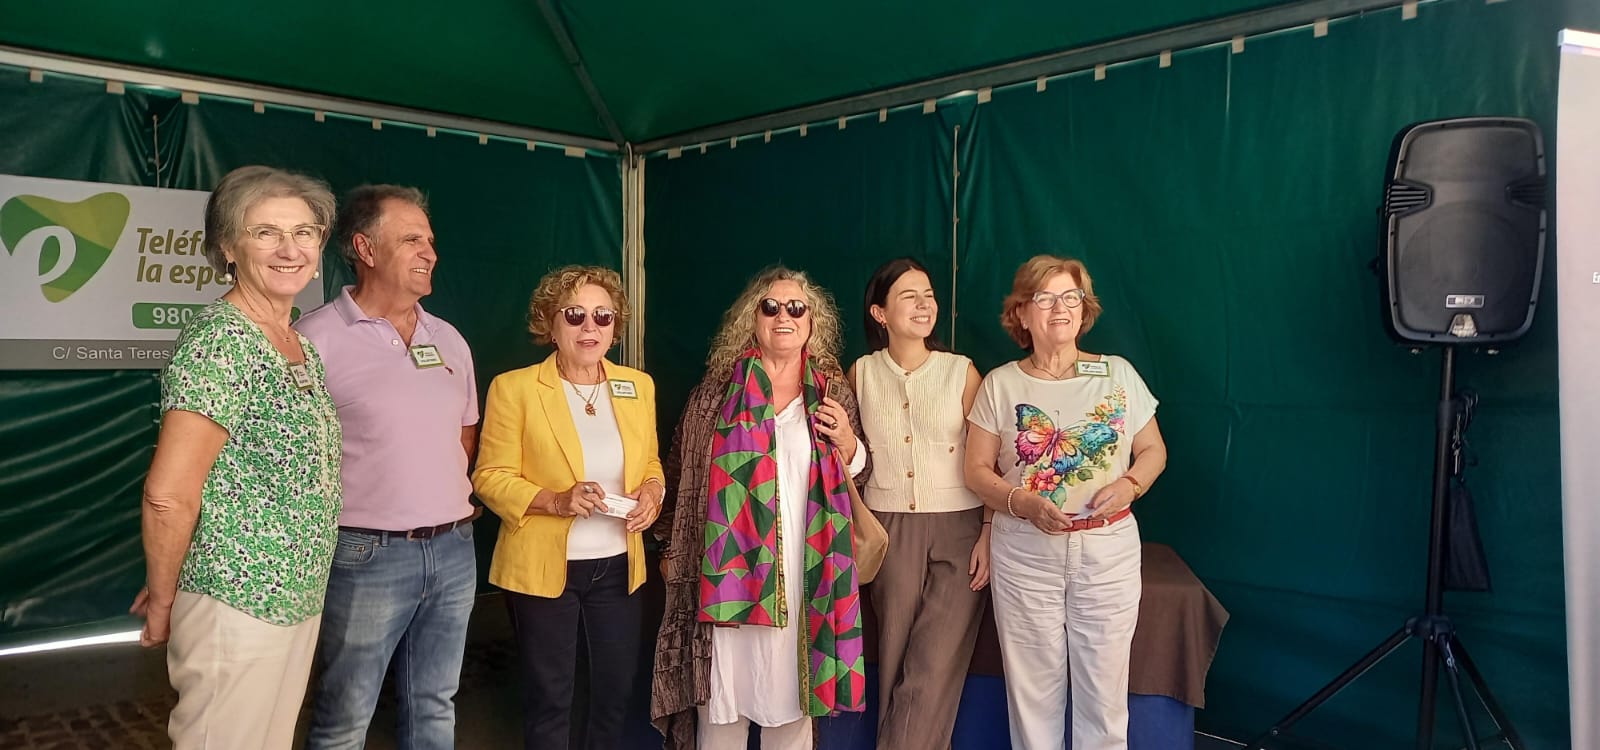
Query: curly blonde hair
x=558, y=286
x=737, y=333
x=1030, y=278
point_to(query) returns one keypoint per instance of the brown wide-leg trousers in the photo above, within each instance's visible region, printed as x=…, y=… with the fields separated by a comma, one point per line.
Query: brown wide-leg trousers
x=928, y=618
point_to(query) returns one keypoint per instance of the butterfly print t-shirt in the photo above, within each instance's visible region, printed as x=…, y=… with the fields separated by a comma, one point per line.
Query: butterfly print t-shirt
x=1064, y=439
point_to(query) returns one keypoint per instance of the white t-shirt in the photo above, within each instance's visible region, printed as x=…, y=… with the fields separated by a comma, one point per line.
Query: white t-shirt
x=1064, y=439
x=600, y=440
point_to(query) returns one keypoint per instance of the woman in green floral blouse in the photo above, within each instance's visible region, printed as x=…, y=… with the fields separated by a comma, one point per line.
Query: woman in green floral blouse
x=242, y=501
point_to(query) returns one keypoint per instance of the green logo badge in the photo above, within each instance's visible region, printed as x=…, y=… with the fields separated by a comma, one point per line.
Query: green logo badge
x=94, y=225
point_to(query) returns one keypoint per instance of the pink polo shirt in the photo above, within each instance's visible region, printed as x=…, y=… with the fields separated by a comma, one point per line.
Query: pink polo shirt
x=403, y=463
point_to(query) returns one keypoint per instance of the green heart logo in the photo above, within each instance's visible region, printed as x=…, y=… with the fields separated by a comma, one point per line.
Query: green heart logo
x=95, y=224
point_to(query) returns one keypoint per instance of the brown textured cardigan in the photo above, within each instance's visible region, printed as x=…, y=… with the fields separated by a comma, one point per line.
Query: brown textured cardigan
x=682, y=679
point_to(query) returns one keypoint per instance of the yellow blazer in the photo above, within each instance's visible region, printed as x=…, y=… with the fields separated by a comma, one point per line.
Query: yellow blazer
x=529, y=443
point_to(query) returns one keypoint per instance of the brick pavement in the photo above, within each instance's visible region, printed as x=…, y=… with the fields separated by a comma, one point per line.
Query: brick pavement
x=142, y=725
x=127, y=725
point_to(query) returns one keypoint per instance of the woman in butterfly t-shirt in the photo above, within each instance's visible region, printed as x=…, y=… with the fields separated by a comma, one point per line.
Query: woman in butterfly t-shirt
x=1075, y=435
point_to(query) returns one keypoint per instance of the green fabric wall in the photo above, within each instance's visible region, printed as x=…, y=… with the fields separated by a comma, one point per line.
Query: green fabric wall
x=74, y=446
x=835, y=203
x=1226, y=208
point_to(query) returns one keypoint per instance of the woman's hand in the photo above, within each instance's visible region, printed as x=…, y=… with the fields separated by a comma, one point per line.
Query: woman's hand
x=978, y=568
x=834, y=423
x=583, y=500
x=1043, y=514
x=157, y=619
x=649, y=496
x=1112, y=498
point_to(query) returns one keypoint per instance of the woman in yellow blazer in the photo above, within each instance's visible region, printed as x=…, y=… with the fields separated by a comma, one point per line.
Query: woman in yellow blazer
x=568, y=460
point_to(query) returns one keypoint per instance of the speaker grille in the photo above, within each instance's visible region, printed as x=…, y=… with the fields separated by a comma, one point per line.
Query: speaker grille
x=1528, y=192
x=1466, y=249
x=1404, y=197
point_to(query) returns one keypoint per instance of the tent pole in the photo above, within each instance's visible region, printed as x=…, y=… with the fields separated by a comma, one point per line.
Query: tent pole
x=955, y=221
x=141, y=76
x=633, y=255
x=1187, y=36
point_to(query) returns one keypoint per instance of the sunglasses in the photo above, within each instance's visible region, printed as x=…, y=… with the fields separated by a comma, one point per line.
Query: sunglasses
x=575, y=316
x=795, y=308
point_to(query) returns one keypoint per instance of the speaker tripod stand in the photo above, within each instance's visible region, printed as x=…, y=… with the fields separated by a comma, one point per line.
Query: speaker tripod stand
x=1441, y=647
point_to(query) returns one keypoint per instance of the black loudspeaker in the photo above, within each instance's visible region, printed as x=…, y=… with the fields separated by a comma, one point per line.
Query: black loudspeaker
x=1461, y=230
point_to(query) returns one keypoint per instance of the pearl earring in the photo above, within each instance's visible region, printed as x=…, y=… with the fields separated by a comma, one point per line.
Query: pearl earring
x=227, y=274
x=317, y=274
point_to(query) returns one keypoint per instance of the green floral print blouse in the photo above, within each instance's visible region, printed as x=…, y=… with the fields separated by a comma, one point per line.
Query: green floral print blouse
x=269, y=511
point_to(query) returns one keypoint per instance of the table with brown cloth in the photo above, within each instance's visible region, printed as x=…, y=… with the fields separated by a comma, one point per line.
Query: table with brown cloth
x=1180, y=623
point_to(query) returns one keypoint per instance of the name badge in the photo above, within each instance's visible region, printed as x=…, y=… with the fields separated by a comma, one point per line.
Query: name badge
x=623, y=389
x=425, y=356
x=301, y=376
x=1094, y=369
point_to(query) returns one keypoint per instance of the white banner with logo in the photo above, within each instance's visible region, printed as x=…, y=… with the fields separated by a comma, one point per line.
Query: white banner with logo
x=1578, y=324
x=98, y=276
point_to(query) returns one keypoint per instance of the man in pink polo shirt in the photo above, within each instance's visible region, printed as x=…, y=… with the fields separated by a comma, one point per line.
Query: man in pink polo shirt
x=404, y=572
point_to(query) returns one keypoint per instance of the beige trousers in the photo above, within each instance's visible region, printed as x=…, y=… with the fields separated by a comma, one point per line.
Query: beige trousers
x=240, y=681
x=928, y=619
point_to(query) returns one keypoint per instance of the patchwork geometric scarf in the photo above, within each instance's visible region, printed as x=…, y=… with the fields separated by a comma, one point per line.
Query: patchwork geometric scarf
x=742, y=581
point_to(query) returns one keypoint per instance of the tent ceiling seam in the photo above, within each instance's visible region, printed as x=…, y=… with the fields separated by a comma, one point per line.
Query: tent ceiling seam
x=569, y=48
x=1149, y=44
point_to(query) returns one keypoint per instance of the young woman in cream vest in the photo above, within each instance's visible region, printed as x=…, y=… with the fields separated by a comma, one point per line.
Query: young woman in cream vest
x=914, y=397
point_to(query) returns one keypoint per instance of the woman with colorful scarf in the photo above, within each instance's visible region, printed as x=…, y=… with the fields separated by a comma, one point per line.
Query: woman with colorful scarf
x=763, y=616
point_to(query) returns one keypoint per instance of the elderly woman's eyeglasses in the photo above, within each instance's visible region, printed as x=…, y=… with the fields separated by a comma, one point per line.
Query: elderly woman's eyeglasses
x=575, y=315
x=305, y=236
x=1047, y=300
x=795, y=308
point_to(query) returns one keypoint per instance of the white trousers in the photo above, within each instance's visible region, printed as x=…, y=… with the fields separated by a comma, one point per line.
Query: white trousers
x=1066, y=606
x=796, y=735
x=240, y=680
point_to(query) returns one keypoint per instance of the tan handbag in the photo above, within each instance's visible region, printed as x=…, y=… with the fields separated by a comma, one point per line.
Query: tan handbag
x=867, y=536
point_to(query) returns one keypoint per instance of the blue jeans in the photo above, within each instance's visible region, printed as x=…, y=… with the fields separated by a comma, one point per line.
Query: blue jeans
x=393, y=598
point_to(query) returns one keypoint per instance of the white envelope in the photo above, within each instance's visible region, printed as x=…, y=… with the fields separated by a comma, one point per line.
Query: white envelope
x=618, y=506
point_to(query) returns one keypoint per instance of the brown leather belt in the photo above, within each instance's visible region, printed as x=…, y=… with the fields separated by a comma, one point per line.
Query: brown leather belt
x=426, y=532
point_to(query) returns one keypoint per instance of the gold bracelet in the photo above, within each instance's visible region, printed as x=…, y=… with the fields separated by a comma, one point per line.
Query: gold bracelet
x=1138, y=489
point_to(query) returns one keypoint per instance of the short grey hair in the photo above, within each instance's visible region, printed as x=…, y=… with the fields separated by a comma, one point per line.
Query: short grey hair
x=362, y=211
x=241, y=189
